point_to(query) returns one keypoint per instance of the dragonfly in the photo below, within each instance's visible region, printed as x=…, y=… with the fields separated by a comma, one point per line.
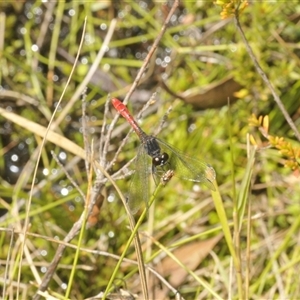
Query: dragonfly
x=161, y=160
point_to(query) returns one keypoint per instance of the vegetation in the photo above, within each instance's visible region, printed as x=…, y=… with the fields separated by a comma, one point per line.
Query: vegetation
x=230, y=72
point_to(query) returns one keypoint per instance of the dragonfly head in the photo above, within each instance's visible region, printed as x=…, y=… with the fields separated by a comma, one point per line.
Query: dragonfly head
x=160, y=160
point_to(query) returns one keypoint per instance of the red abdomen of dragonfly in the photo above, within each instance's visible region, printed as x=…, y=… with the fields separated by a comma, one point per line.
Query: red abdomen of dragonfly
x=122, y=109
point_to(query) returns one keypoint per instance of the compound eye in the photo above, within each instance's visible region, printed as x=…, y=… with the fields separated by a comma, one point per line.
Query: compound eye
x=156, y=161
x=160, y=160
x=164, y=158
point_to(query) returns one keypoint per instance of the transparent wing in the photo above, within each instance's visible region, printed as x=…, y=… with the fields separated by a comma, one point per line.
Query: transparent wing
x=139, y=185
x=187, y=167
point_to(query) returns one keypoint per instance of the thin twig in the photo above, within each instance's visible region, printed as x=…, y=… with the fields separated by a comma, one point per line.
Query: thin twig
x=84, y=131
x=102, y=149
x=265, y=78
x=116, y=176
x=163, y=121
